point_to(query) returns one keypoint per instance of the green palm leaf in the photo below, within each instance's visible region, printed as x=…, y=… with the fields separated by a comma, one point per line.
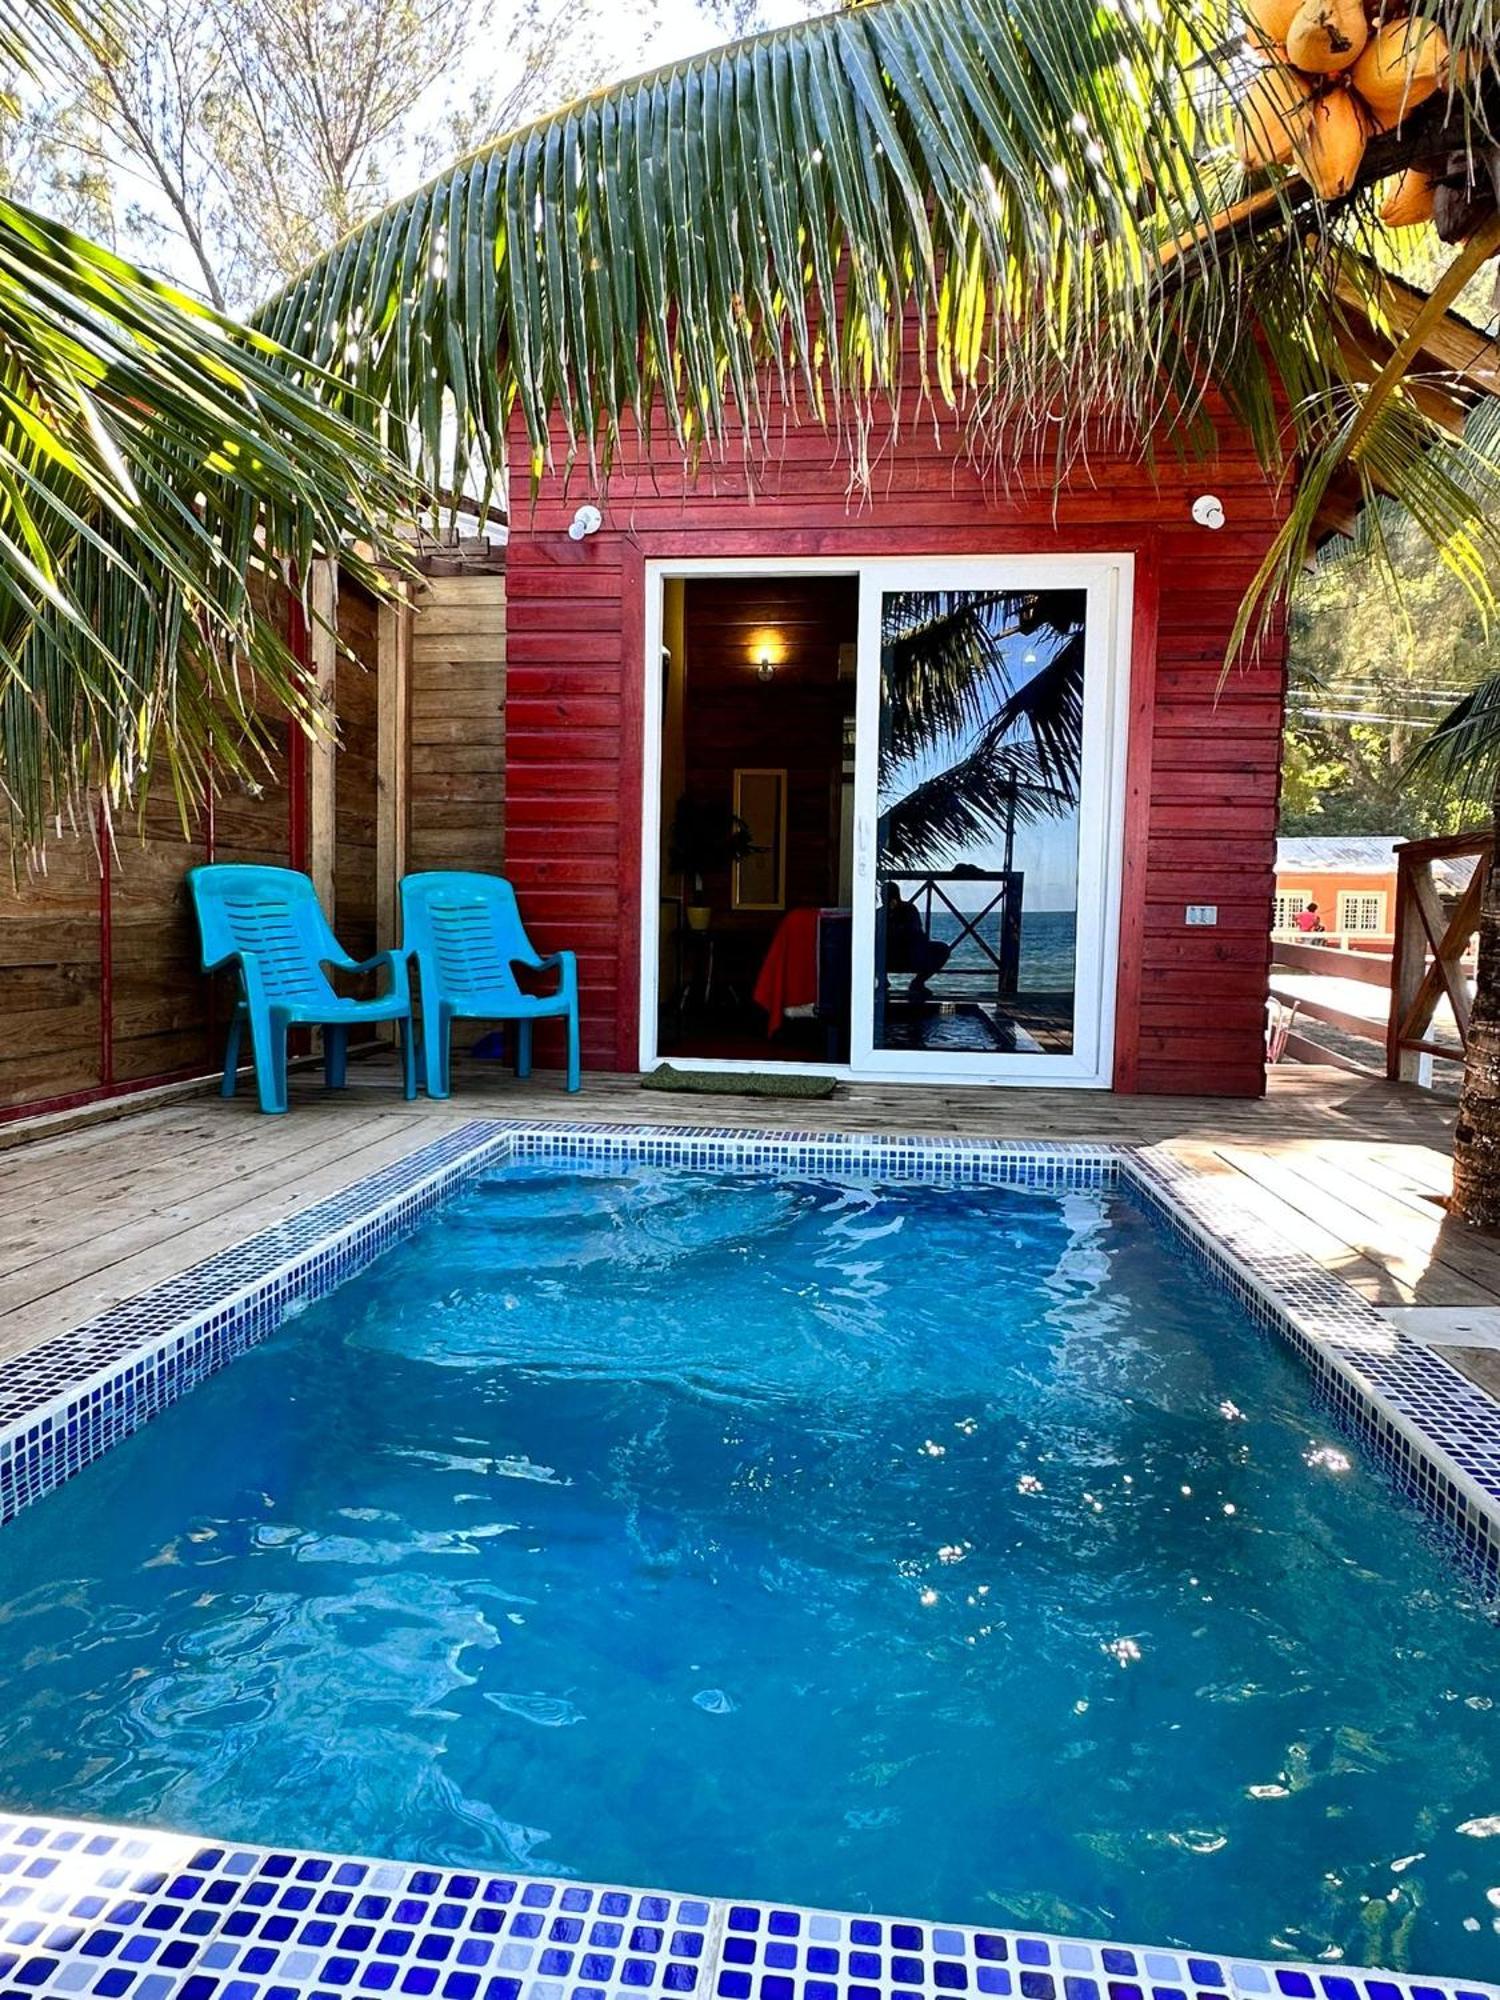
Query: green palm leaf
x=946, y=675
x=799, y=207
x=162, y=471
x=1018, y=205
x=997, y=786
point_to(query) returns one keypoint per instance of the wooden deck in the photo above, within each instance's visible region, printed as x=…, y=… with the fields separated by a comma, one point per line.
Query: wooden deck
x=1351, y=1171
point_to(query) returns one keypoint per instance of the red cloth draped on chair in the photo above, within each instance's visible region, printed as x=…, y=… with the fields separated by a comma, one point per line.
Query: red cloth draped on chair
x=789, y=975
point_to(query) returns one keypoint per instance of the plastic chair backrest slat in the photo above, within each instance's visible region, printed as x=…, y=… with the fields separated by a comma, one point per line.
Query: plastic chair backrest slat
x=468, y=929
x=273, y=916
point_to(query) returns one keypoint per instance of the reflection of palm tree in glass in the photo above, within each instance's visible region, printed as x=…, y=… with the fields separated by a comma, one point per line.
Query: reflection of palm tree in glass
x=949, y=683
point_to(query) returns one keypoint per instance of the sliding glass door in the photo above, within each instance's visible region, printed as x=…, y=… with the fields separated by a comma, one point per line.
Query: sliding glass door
x=989, y=745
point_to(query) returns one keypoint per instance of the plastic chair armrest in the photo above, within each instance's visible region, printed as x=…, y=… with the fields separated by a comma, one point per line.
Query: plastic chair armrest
x=394, y=962
x=565, y=962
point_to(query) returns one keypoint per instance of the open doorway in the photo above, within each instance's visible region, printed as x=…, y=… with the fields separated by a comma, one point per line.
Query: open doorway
x=756, y=818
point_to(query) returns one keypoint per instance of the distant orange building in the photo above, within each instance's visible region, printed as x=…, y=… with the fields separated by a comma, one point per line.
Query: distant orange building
x=1351, y=879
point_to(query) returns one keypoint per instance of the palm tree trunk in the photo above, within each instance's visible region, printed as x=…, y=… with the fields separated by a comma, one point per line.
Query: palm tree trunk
x=1476, y=1137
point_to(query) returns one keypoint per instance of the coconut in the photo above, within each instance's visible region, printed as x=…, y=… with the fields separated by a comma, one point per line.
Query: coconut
x=1409, y=200
x=1399, y=67
x=1330, y=149
x=1272, y=115
x=1266, y=21
x=1327, y=36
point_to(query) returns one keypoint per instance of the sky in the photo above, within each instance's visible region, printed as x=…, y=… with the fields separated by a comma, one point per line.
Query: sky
x=685, y=27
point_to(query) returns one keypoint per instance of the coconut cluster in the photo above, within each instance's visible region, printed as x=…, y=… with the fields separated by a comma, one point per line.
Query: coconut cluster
x=1333, y=73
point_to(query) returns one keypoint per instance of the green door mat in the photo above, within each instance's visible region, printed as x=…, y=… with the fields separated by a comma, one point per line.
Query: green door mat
x=741, y=1083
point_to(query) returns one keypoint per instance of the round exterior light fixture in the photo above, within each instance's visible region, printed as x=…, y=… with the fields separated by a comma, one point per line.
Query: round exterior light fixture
x=1208, y=510
x=765, y=668
x=587, y=521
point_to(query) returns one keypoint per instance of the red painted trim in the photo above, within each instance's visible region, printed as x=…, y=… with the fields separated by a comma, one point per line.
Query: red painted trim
x=299, y=639
x=631, y=779
x=106, y=950
x=1137, y=822
x=99, y=1093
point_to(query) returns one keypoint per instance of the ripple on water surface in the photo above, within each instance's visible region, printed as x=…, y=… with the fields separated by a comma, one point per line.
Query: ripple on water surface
x=950, y=1552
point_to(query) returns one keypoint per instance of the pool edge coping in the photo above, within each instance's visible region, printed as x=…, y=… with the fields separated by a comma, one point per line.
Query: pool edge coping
x=1376, y=1374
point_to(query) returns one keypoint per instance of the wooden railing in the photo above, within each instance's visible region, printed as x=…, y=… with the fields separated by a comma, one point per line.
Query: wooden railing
x=995, y=959
x=1427, y=961
x=1327, y=961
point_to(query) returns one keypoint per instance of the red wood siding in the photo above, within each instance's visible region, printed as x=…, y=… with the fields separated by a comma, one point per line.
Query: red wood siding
x=1203, y=764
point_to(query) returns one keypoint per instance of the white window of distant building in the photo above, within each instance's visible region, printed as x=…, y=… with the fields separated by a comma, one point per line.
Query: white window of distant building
x=1362, y=910
x=1285, y=909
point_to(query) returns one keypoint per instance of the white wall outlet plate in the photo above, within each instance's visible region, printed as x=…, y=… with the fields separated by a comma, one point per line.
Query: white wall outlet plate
x=1202, y=913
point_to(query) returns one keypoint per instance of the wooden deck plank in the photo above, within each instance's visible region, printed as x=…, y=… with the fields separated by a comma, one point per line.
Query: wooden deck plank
x=153, y=1248
x=1310, y=1231
x=155, y=1171
x=1387, y=1200
x=1310, y=1185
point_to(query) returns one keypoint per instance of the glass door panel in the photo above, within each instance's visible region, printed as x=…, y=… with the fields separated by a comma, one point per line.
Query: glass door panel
x=985, y=771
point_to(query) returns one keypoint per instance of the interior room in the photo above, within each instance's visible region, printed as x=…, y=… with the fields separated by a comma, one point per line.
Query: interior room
x=757, y=818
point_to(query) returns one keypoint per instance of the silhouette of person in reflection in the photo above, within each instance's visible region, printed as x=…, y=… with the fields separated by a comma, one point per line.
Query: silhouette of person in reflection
x=908, y=948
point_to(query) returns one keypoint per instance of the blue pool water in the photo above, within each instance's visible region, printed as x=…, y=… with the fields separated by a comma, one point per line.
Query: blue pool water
x=957, y=1553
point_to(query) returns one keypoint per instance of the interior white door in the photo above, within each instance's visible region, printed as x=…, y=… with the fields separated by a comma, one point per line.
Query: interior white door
x=988, y=788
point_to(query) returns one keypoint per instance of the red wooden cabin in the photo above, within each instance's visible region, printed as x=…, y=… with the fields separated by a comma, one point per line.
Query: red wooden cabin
x=723, y=638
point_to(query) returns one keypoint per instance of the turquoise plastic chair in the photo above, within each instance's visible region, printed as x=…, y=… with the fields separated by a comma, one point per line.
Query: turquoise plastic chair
x=269, y=924
x=467, y=938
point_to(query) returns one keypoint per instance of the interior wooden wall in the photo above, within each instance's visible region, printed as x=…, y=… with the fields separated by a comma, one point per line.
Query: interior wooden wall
x=100, y=989
x=793, y=723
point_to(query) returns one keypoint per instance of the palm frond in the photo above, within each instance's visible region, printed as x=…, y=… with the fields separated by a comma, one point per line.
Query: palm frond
x=997, y=786
x=942, y=660
x=945, y=663
x=161, y=471
x=1464, y=748
x=980, y=186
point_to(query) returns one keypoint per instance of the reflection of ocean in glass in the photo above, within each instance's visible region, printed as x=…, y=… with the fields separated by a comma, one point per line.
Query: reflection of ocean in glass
x=1048, y=944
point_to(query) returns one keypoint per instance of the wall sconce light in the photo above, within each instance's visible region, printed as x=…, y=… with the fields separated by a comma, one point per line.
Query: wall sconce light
x=765, y=671
x=587, y=521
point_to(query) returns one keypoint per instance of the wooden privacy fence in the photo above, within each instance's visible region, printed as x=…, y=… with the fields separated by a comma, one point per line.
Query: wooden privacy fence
x=1434, y=928
x=100, y=992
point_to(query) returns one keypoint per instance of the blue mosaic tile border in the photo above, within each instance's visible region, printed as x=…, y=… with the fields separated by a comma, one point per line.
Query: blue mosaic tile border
x=130, y=1914
x=747, y=1149
x=74, y=1396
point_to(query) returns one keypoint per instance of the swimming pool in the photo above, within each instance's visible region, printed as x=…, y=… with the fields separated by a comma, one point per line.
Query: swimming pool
x=956, y=1549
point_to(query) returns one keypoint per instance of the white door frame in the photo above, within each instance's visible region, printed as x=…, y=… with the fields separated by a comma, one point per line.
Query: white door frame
x=1109, y=580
